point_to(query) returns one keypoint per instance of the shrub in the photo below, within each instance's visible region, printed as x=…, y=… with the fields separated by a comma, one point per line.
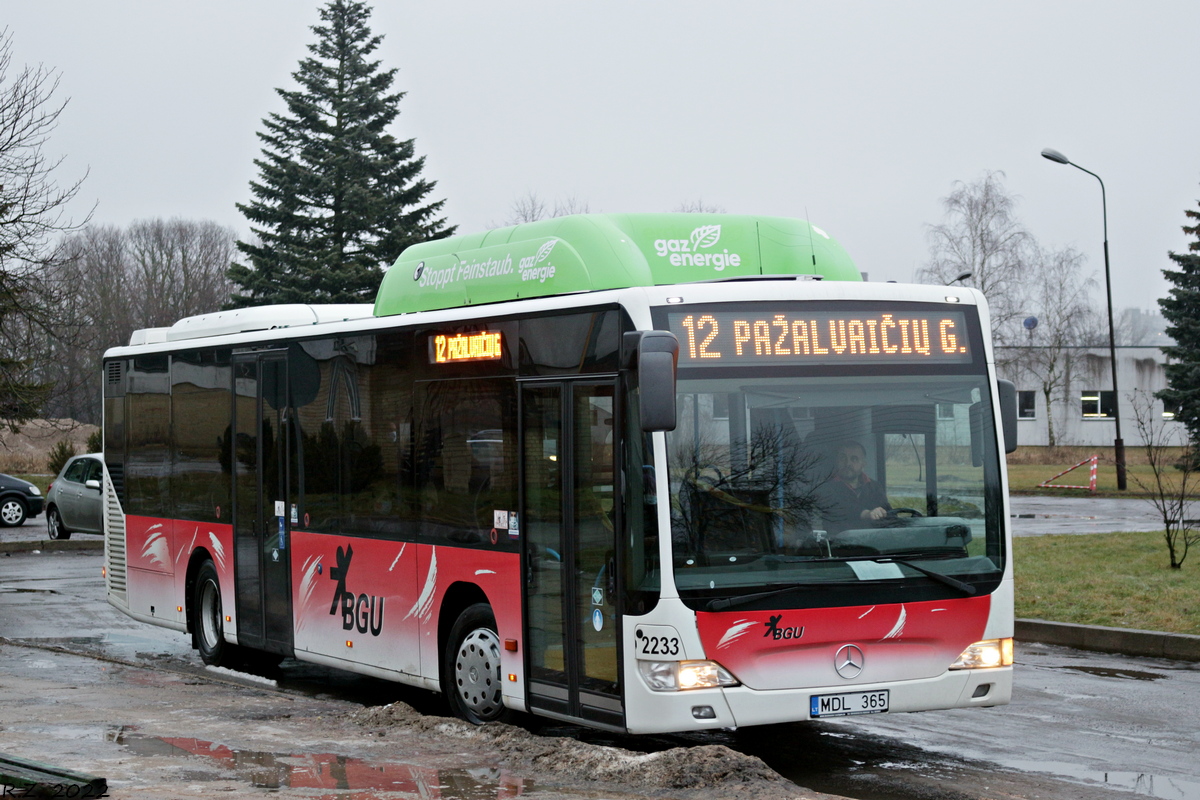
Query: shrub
x=60, y=454
x=95, y=442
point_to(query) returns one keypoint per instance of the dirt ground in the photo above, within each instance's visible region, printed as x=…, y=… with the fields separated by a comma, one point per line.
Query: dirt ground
x=25, y=451
x=163, y=733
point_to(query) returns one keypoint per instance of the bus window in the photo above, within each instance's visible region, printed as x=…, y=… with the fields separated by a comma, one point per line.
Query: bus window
x=465, y=458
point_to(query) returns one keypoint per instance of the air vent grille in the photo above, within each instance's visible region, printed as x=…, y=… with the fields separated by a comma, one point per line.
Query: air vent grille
x=116, y=569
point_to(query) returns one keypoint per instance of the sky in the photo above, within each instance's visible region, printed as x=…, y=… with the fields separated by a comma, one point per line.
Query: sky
x=859, y=116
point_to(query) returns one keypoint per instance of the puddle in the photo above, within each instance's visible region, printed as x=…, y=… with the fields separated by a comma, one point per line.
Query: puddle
x=1127, y=674
x=1137, y=782
x=24, y=590
x=329, y=771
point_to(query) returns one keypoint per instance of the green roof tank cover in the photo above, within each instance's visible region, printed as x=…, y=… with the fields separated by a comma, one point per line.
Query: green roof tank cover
x=590, y=252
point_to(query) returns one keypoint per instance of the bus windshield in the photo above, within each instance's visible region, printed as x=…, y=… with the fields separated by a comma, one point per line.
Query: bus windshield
x=835, y=490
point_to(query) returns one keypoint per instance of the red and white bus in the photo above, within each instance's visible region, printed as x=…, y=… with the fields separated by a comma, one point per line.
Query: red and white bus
x=592, y=468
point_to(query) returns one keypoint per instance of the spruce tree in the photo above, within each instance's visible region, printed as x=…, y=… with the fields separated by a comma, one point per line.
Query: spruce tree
x=338, y=197
x=1181, y=308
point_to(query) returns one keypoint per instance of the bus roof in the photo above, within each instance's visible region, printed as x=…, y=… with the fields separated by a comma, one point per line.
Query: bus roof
x=590, y=252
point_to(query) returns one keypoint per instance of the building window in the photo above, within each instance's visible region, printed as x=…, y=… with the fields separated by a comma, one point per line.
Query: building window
x=945, y=410
x=720, y=405
x=1026, y=405
x=1096, y=404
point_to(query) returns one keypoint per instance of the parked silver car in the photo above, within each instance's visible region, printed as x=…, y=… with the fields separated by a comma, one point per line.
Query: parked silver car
x=74, y=503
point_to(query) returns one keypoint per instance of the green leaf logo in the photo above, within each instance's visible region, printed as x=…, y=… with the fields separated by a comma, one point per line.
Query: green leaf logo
x=705, y=236
x=544, y=251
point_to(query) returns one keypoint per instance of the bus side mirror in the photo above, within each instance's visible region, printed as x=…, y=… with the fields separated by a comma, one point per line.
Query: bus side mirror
x=1008, y=413
x=654, y=355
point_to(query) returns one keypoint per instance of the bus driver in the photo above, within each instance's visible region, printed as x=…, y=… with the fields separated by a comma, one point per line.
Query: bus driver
x=850, y=496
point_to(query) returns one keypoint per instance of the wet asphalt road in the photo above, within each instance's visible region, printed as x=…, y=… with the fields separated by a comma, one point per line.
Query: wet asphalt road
x=1081, y=725
x=1035, y=516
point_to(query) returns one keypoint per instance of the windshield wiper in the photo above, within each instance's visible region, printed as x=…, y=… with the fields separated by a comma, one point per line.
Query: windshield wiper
x=955, y=583
x=730, y=602
x=723, y=603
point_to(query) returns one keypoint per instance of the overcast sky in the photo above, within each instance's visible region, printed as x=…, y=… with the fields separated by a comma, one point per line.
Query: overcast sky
x=862, y=115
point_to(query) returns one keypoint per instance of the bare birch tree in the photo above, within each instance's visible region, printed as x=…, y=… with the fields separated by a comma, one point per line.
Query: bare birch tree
x=981, y=235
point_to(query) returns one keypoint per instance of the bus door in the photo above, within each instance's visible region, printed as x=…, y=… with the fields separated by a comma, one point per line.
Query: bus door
x=260, y=523
x=570, y=515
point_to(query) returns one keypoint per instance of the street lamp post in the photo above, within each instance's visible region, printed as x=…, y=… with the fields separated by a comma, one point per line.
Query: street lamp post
x=1119, y=444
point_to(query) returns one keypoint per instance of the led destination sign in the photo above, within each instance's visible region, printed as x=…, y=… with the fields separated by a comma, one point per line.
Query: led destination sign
x=715, y=338
x=453, y=348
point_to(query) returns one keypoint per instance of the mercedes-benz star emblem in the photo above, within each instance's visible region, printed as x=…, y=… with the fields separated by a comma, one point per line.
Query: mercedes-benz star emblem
x=848, y=661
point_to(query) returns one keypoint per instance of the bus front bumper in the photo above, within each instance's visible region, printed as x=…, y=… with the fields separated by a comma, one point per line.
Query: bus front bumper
x=741, y=706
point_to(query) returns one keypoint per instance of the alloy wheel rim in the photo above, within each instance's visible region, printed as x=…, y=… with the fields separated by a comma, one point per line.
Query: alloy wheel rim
x=11, y=511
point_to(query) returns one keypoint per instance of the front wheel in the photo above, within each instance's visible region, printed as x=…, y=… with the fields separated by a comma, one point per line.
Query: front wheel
x=12, y=512
x=54, y=525
x=472, y=667
x=210, y=619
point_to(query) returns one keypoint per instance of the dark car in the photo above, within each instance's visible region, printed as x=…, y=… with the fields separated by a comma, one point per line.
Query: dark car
x=74, y=503
x=19, y=500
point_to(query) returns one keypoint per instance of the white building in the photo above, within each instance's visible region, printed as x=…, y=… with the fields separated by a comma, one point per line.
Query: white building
x=1083, y=409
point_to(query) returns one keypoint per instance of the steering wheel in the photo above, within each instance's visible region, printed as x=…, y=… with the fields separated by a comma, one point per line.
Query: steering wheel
x=895, y=512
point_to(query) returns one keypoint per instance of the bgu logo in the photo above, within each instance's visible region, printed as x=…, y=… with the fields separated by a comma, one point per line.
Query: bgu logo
x=775, y=632
x=357, y=612
x=686, y=252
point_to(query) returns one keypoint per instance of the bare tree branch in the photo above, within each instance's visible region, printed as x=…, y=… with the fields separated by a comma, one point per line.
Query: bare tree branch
x=981, y=235
x=32, y=217
x=1172, y=490
x=698, y=206
x=530, y=207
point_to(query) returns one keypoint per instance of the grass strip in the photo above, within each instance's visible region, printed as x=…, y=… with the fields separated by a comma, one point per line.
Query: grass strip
x=1122, y=580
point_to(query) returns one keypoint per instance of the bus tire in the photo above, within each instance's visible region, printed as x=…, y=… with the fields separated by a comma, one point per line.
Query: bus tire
x=210, y=619
x=472, y=667
x=54, y=525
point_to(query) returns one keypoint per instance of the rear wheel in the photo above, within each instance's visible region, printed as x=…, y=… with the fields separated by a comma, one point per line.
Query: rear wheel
x=54, y=525
x=472, y=667
x=210, y=619
x=12, y=512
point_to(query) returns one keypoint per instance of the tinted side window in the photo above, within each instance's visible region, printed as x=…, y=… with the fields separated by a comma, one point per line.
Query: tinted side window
x=200, y=403
x=349, y=442
x=568, y=344
x=465, y=459
x=148, y=427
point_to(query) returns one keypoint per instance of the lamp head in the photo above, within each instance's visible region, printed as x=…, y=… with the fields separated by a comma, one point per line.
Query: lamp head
x=962, y=277
x=1054, y=155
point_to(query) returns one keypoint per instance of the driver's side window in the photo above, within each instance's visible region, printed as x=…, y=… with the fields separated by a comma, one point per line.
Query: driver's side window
x=905, y=466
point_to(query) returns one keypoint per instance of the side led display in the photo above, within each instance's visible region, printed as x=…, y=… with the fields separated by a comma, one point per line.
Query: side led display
x=453, y=348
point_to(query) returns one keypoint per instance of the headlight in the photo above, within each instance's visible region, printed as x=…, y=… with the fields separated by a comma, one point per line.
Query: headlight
x=988, y=653
x=34, y=490
x=673, y=676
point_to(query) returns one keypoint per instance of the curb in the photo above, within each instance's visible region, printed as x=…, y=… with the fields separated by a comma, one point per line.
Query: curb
x=49, y=545
x=1178, y=646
